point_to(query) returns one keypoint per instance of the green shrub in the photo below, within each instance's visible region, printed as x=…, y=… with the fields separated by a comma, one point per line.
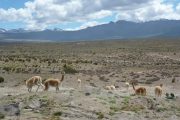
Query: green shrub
x=100, y=115
x=1, y=79
x=132, y=107
x=161, y=109
x=59, y=113
x=111, y=113
x=69, y=69
x=1, y=116
x=112, y=101
x=126, y=100
x=114, y=108
x=7, y=69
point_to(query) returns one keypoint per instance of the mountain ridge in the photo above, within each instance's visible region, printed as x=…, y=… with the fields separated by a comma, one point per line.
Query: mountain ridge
x=113, y=30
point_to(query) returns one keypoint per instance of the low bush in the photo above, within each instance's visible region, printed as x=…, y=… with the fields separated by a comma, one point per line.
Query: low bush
x=100, y=115
x=69, y=69
x=59, y=113
x=1, y=79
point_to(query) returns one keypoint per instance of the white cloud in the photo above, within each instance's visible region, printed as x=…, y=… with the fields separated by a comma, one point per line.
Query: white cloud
x=89, y=24
x=86, y=25
x=154, y=11
x=178, y=7
x=14, y=15
x=39, y=14
x=99, y=14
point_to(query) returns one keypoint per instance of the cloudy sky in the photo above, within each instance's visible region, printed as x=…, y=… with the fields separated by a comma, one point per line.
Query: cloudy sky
x=79, y=14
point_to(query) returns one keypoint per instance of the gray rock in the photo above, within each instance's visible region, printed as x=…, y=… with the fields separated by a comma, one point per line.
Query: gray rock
x=35, y=104
x=10, y=109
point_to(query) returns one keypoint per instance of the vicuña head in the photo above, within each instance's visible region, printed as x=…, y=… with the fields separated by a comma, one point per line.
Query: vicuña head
x=53, y=82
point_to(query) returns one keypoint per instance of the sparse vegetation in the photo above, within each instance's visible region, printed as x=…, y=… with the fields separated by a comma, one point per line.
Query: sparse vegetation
x=127, y=106
x=112, y=100
x=114, y=108
x=97, y=64
x=1, y=79
x=69, y=69
x=1, y=116
x=100, y=115
x=58, y=113
x=134, y=108
x=161, y=109
x=126, y=100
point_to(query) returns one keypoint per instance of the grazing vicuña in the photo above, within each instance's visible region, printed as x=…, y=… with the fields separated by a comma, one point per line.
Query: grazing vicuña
x=107, y=87
x=113, y=87
x=35, y=80
x=110, y=87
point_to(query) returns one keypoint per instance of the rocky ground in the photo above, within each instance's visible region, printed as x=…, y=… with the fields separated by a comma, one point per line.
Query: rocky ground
x=97, y=64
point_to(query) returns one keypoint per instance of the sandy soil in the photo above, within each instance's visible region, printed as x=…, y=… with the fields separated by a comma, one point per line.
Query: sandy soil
x=98, y=64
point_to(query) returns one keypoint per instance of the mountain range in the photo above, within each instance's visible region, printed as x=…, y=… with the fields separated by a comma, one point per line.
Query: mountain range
x=113, y=30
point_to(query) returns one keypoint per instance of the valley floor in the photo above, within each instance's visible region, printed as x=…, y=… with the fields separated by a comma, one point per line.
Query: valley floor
x=97, y=64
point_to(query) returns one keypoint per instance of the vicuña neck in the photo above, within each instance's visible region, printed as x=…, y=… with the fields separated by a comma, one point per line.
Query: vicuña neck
x=62, y=78
x=133, y=87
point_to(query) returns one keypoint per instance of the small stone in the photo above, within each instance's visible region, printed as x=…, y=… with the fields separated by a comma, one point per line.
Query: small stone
x=87, y=94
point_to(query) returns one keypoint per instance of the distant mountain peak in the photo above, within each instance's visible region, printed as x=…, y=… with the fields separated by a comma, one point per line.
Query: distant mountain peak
x=114, y=30
x=18, y=30
x=54, y=29
x=2, y=30
x=58, y=29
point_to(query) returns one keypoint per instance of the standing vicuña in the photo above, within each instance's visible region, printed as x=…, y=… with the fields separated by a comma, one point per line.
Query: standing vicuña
x=140, y=90
x=79, y=82
x=110, y=87
x=35, y=80
x=127, y=85
x=158, y=90
x=53, y=82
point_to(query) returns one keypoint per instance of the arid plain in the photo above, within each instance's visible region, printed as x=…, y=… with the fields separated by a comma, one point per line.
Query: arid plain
x=97, y=64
